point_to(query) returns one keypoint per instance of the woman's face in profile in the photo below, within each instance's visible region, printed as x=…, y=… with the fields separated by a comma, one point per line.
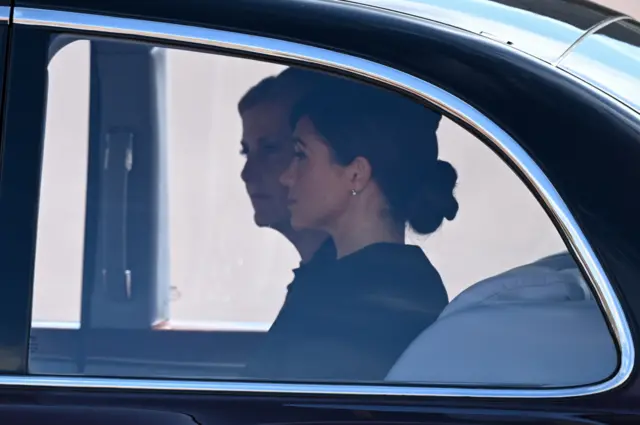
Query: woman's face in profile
x=268, y=148
x=319, y=188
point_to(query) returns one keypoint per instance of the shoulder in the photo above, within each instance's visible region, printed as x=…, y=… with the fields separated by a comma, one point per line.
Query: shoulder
x=394, y=270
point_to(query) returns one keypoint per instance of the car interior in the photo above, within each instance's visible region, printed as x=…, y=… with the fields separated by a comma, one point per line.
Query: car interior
x=536, y=325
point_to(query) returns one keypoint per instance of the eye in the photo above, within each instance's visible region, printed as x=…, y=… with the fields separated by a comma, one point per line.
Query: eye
x=270, y=148
x=298, y=152
x=244, y=150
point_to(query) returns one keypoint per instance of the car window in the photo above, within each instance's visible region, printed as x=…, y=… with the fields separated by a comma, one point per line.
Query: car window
x=216, y=217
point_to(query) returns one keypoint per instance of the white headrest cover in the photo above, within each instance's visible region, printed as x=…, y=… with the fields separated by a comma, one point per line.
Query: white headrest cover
x=531, y=326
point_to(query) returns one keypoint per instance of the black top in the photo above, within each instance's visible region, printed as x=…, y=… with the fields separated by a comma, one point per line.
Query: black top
x=350, y=319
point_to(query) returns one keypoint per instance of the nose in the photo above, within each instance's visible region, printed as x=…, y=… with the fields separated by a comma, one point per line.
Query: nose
x=248, y=171
x=287, y=178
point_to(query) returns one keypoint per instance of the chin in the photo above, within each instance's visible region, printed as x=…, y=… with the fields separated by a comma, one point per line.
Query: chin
x=271, y=221
x=295, y=226
x=299, y=224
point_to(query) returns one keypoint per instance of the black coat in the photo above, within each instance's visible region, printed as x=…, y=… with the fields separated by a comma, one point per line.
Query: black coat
x=350, y=319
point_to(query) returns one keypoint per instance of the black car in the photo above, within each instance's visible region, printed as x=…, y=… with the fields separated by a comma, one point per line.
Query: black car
x=147, y=266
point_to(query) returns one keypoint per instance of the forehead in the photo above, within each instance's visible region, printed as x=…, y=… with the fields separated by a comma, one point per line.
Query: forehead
x=266, y=118
x=308, y=137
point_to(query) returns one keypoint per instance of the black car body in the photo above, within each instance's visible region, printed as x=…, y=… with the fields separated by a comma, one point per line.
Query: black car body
x=570, y=132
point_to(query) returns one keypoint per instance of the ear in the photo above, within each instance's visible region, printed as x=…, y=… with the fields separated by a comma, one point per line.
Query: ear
x=360, y=173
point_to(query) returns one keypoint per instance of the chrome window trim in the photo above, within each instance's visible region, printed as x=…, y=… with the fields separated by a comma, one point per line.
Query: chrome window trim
x=278, y=49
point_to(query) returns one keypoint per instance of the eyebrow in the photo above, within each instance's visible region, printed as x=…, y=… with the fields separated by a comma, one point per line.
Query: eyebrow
x=267, y=139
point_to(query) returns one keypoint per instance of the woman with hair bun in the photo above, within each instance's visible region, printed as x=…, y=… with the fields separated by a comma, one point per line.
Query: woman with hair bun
x=366, y=166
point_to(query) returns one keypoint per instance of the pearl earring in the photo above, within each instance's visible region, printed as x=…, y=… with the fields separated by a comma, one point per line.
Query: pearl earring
x=353, y=192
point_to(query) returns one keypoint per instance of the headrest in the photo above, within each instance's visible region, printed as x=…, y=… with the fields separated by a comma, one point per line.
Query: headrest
x=520, y=344
x=553, y=278
x=536, y=325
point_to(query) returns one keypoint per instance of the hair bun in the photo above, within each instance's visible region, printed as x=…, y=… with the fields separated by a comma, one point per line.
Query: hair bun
x=435, y=200
x=447, y=177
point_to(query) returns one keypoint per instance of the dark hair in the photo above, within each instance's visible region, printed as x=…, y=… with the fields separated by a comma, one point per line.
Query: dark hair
x=398, y=137
x=262, y=91
x=289, y=85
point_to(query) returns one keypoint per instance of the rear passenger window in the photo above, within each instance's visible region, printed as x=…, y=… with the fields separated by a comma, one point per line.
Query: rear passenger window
x=228, y=218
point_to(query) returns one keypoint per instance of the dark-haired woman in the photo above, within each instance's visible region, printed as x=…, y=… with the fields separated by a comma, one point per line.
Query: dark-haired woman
x=366, y=166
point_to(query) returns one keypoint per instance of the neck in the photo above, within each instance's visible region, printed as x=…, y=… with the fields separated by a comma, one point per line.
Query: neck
x=359, y=230
x=306, y=242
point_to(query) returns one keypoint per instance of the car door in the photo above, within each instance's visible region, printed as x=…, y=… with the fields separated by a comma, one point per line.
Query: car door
x=13, y=339
x=140, y=279
x=5, y=37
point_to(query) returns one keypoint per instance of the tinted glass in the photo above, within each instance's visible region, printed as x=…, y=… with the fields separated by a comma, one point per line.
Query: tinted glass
x=213, y=217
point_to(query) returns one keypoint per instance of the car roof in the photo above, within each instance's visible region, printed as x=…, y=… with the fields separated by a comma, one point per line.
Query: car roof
x=544, y=29
x=552, y=31
x=593, y=43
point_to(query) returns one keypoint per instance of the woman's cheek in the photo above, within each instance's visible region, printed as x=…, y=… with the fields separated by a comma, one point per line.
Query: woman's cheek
x=300, y=172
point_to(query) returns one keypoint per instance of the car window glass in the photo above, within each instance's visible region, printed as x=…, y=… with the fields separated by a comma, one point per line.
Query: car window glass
x=215, y=217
